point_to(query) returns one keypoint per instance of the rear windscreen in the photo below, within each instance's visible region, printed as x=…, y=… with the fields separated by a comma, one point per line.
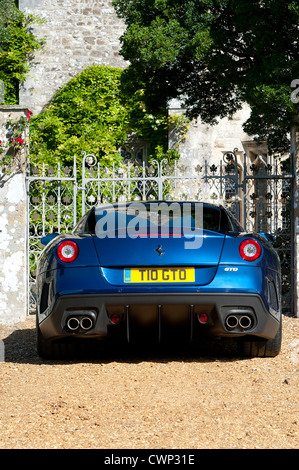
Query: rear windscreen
x=175, y=218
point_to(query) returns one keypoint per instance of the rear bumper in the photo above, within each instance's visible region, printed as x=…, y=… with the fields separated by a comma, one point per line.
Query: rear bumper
x=162, y=317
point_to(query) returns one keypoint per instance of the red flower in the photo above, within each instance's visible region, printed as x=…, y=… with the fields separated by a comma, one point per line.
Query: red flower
x=18, y=140
x=29, y=113
x=28, y=117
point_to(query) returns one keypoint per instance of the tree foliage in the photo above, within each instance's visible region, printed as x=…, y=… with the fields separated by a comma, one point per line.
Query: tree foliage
x=91, y=113
x=17, y=46
x=215, y=55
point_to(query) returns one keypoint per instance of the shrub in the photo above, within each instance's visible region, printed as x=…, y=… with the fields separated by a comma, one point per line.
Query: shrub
x=92, y=113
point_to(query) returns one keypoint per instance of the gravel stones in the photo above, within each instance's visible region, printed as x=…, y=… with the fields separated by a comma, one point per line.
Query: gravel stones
x=167, y=400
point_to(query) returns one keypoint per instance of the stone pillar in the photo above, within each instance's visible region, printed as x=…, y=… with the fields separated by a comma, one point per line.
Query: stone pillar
x=13, y=237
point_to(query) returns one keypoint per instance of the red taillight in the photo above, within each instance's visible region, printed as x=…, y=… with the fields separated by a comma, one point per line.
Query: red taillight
x=250, y=250
x=202, y=317
x=115, y=318
x=67, y=251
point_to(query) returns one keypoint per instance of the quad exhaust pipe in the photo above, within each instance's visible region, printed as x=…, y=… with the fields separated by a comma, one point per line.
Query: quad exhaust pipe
x=231, y=321
x=243, y=321
x=84, y=323
x=73, y=323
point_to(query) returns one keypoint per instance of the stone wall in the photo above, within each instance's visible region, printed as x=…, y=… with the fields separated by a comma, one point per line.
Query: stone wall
x=78, y=33
x=204, y=142
x=13, y=237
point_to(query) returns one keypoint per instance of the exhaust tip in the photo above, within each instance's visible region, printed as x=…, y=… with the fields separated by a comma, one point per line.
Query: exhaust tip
x=80, y=323
x=245, y=322
x=73, y=323
x=86, y=323
x=231, y=321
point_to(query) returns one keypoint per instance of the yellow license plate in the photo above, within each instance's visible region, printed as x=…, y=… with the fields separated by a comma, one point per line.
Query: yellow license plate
x=159, y=275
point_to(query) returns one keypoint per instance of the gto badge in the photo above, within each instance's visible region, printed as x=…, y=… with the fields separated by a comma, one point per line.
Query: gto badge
x=231, y=269
x=160, y=250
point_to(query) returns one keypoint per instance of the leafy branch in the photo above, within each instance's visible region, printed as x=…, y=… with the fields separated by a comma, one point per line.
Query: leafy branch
x=18, y=45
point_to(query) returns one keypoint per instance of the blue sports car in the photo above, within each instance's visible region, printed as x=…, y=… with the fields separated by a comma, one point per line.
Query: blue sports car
x=158, y=272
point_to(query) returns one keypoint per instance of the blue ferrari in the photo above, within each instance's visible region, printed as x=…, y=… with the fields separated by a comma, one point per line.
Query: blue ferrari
x=158, y=272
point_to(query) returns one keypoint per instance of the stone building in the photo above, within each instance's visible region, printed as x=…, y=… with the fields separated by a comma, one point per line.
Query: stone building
x=78, y=34
x=82, y=32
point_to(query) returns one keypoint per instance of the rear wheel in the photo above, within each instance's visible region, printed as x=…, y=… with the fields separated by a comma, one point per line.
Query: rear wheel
x=260, y=347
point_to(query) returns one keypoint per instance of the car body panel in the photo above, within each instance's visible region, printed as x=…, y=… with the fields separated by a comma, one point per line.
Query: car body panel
x=140, y=251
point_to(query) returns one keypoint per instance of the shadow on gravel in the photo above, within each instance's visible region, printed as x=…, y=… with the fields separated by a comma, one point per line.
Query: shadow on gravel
x=20, y=347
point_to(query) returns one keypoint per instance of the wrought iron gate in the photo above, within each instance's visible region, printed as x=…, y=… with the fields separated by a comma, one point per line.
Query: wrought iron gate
x=258, y=192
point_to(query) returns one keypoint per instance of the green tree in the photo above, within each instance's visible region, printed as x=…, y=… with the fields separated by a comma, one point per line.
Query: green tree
x=215, y=55
x=91, y=113
x=17, y=46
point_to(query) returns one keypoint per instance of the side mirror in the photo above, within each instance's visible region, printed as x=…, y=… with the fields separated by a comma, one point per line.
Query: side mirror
x=268, y=236
x=48, y=238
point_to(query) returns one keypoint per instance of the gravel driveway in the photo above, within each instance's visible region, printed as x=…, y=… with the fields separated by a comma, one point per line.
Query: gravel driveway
x=149, y=401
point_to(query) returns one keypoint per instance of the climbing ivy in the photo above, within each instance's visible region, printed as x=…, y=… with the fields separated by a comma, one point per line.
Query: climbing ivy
x=17, y=46
x=92, y=113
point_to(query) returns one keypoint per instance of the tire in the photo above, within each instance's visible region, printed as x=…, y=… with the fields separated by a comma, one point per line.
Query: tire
x=59, y=349
x=262, y=347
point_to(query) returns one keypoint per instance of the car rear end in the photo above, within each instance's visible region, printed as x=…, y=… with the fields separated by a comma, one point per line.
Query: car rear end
x=139, y=287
